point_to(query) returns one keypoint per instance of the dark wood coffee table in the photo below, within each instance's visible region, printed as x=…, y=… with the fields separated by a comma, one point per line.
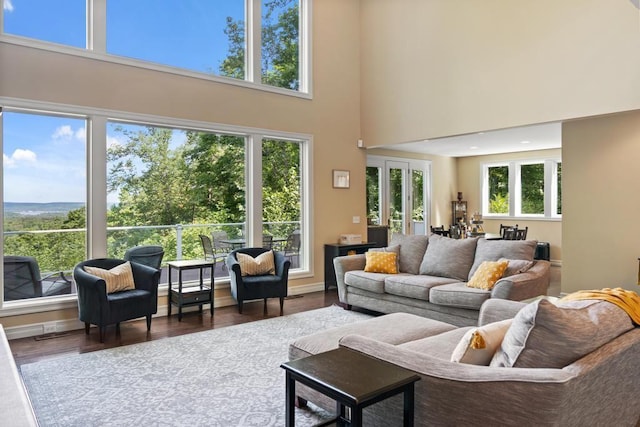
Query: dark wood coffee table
x=353, y=380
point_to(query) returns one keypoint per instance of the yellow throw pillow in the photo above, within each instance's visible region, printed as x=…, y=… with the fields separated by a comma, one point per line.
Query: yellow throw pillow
x=488, y=274
x=478, y=345
x=262, y=264
x=119, y=278
x=381, y=262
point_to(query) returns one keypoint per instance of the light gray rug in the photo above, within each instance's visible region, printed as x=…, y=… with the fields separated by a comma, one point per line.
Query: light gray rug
x=223, y=377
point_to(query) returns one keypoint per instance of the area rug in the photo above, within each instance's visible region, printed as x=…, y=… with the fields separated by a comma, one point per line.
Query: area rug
x=222, y=377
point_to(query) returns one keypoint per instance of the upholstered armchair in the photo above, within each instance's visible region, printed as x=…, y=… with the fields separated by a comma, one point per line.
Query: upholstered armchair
x=263, y=286
x=98, y=307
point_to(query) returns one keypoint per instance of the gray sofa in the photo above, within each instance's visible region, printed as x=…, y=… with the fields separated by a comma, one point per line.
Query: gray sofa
x=598, y=388
x=433, y=271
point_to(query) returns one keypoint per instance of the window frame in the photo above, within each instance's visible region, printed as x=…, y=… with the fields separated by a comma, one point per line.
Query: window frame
x=96, y=185
x=96, y=48
x=515, y=189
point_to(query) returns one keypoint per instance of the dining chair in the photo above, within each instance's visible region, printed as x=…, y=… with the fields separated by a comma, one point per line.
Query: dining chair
x=207, y=248
x=292, y=247
x=267, y=241
x=440, y=230
x=507, y=227
x=220, y=248
x=521, y=233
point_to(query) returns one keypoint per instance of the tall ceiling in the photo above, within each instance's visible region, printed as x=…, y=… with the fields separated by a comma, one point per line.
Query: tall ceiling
x=525, y=138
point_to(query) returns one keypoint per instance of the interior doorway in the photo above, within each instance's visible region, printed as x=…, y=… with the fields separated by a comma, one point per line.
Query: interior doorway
x=398, y=193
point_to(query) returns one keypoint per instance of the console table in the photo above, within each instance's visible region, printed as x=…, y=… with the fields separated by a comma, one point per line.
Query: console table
x=334, y=250
x=191, y=295
x=346, y=376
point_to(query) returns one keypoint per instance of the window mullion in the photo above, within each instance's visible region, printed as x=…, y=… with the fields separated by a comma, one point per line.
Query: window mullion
x=253, y=37
x=253, y=172
x=97, y=25
x=514, y=189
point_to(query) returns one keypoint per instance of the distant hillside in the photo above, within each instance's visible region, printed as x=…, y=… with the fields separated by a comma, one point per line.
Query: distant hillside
x=30, y=209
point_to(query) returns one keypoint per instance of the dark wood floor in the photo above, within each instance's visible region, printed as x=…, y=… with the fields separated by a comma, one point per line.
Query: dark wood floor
x=32, y=349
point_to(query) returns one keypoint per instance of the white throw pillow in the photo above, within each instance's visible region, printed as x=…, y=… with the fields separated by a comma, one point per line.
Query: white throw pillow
x=478, y=345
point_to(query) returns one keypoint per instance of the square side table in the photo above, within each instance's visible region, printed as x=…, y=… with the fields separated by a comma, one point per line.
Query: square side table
x=353, y=380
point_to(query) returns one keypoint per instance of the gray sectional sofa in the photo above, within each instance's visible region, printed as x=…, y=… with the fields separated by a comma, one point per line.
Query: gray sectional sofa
x=433, y=271
x=579, y=366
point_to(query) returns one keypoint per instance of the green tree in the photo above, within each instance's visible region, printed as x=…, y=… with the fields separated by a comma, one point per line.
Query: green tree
x=280, y=45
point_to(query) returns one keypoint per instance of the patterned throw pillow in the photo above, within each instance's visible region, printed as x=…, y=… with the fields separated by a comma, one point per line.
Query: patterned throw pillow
x=395, y=249
x=381, y=262
x=478, y=345
x=119, y=278
x=488, y=274
x=262, y=264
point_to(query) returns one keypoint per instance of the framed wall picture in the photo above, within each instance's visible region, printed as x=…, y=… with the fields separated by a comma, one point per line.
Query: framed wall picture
x=340, y=179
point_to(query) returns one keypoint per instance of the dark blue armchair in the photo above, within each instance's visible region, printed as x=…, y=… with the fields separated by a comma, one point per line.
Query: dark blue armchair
x=245, y=288
x=97, y=307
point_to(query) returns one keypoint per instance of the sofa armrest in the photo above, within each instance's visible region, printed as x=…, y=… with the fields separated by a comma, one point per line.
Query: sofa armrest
x=529, y=284
x=497, y=309
x=342, y=265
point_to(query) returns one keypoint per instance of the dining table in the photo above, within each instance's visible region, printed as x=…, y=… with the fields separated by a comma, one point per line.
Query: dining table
x=240, y=242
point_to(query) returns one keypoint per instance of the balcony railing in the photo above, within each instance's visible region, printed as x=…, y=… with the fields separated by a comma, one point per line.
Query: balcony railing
x=61, y=249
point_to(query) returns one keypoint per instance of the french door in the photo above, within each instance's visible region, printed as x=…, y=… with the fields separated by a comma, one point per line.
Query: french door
x=397, y=194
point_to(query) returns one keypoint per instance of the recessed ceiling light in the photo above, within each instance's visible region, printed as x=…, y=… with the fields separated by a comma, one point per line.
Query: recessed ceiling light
x=525, y=142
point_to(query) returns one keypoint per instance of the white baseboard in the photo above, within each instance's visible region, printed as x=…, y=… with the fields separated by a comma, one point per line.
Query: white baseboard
x=60, y=326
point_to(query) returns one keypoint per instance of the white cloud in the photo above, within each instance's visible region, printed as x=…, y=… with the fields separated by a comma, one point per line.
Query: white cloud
x=66, y=132
x=62, y=132
x=81, y=134
x=19, y=155
x=7, y=5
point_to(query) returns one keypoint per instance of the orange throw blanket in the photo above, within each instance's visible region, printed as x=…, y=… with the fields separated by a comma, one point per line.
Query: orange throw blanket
x=629, y=301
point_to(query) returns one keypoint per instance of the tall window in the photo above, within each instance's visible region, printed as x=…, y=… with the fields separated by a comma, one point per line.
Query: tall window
x=159, y=178
x=190, y=34
x=280, y=43
x=61, y=22
x=212, y=38
x=523, y=188
x=44, y=202
x=282, y=193
x=165, y=185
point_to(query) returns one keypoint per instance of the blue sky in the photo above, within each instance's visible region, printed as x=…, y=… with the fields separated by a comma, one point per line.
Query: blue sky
x=44, y=157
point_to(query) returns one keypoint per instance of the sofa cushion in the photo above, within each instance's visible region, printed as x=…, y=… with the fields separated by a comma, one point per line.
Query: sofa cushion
x=458, y=295
x=440, y=346
x=493, y=250
x=448, y=257
x=545, y=336
x=488, y=274
x=412, y=248
x=478, y=345
x=395, y=328
x=381, y=262
x=373, y=282
x=413, y=286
